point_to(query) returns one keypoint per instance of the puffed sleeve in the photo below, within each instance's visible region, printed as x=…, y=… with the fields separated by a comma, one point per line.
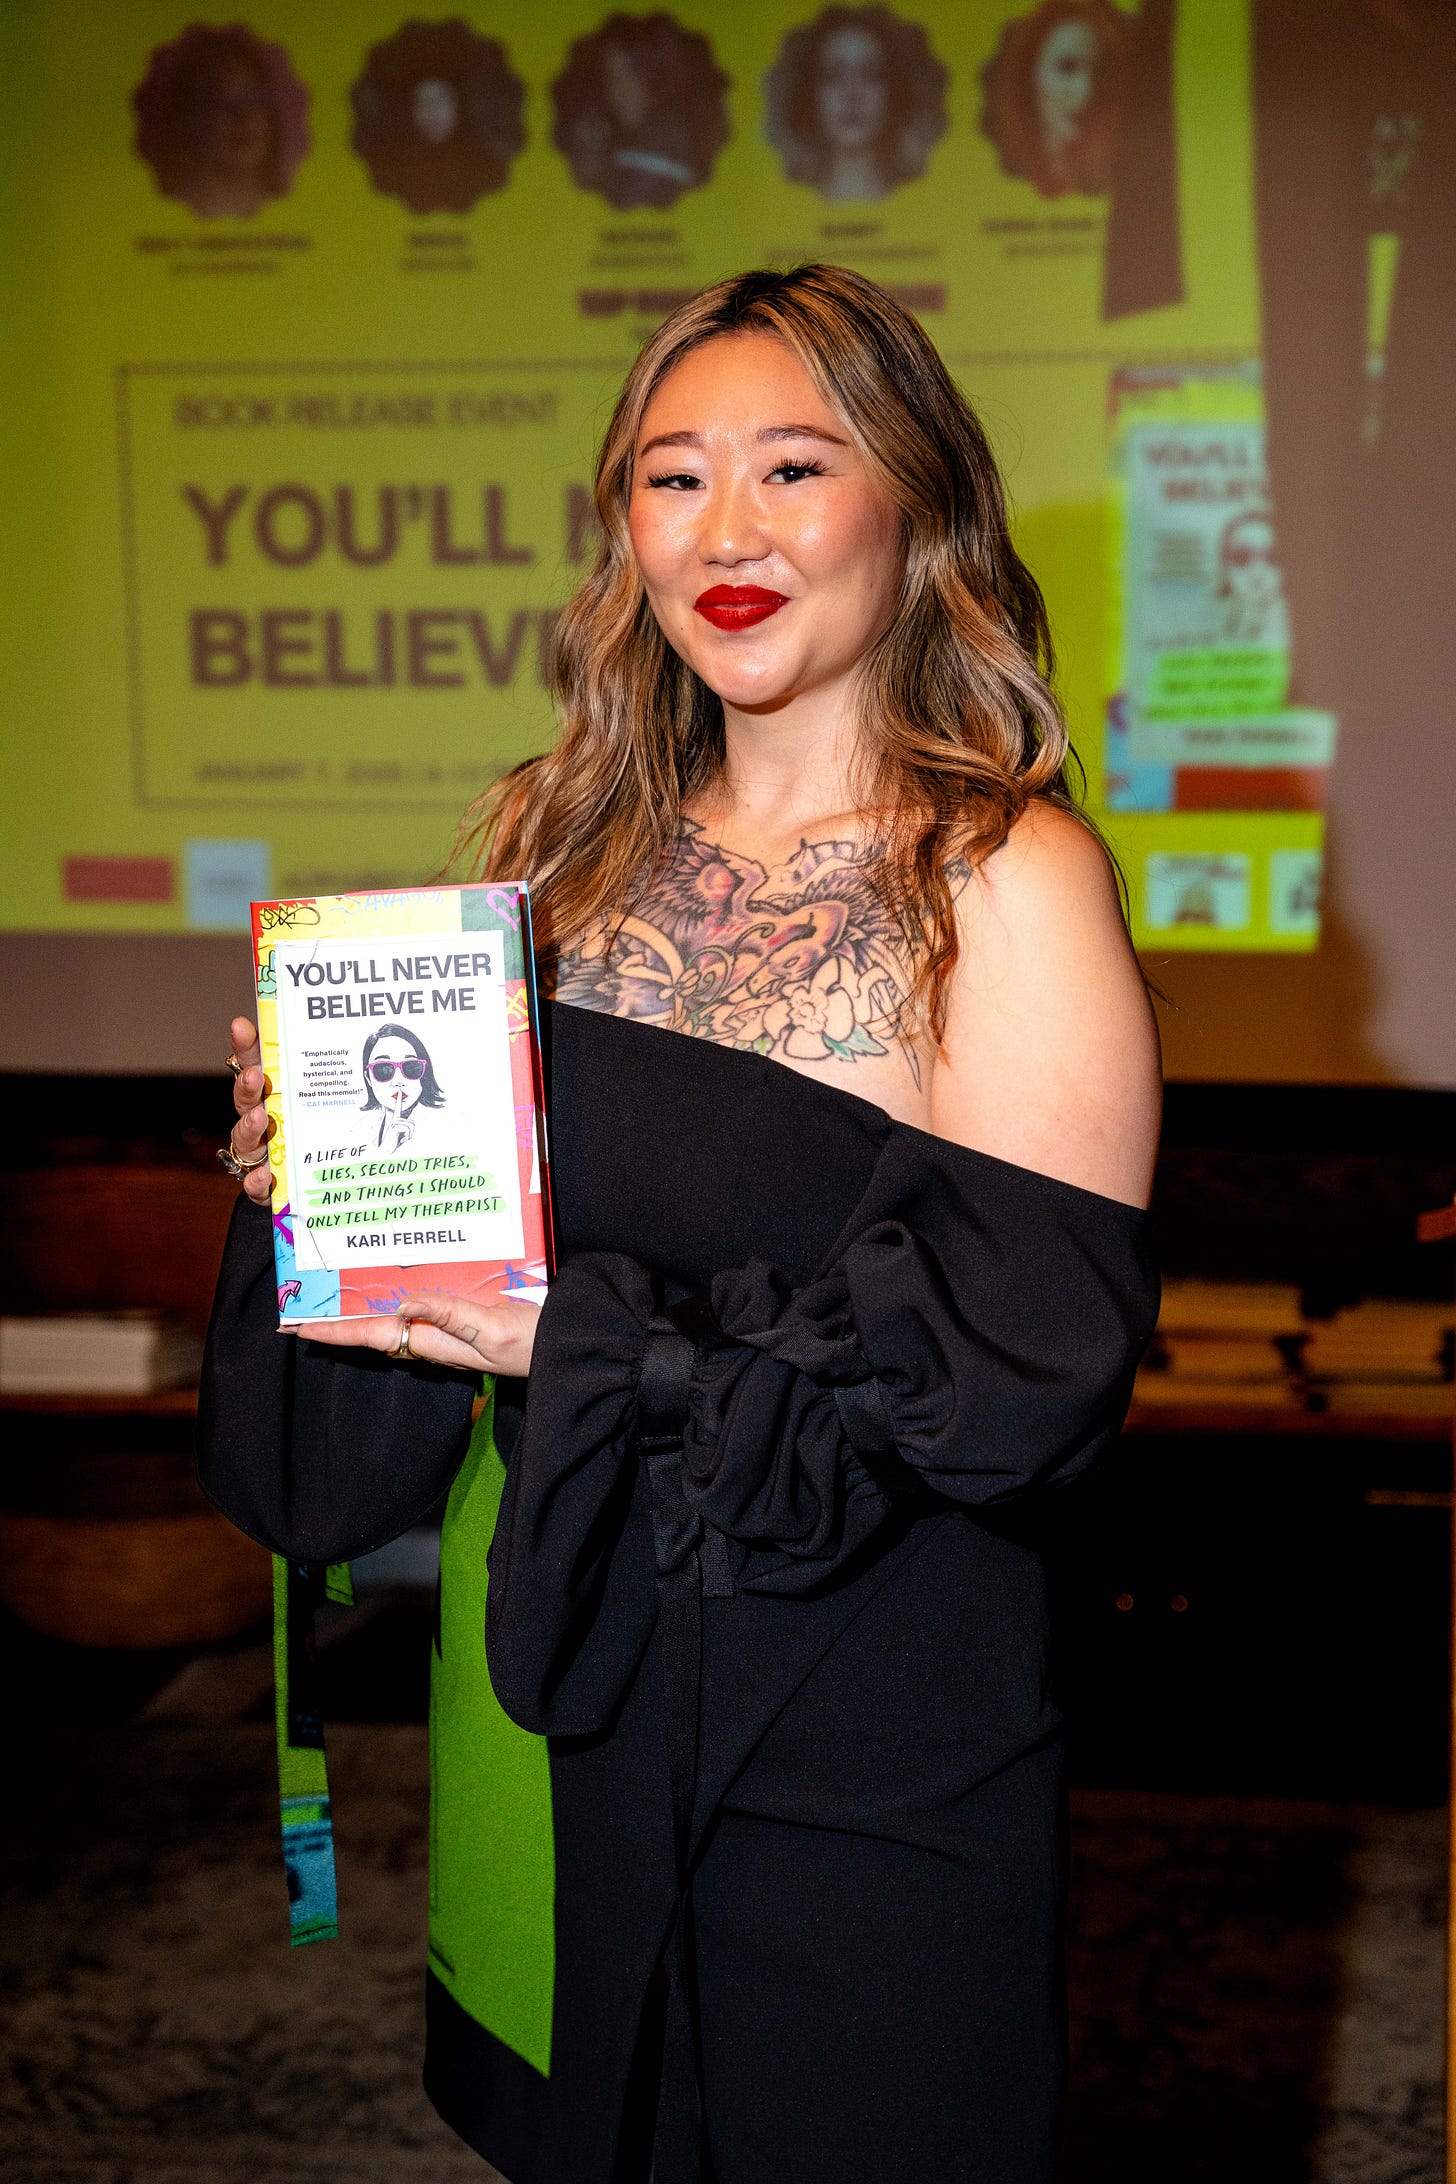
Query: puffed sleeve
x=572, y=1595
x=979, y=1328
x=972, y=1336
x=317, y=1452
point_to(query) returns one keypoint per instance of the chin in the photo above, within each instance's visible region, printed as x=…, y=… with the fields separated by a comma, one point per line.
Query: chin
x=748, y=692
x=741, y=677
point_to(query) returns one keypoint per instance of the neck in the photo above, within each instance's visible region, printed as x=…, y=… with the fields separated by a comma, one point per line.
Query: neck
x=789, y=768
x=854, y=175
x=214, y=198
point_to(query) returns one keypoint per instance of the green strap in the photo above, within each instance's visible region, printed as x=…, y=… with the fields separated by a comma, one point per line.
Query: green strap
x=303, y=1781
x=492, y=1849
x=492, y=1852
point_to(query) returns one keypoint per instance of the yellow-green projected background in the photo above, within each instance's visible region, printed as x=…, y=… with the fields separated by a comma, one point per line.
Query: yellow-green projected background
x=302, y=431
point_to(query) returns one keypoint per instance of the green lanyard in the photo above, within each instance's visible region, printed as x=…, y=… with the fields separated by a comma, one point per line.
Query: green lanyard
x=303, y=1779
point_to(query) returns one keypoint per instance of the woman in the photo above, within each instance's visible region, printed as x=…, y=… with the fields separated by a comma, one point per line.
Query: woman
x=641, y=111
x=856, y=103
x=854, y=1094
x=1055, y=90
x=1250, y=582
x=220, y=120
x=399, y=1079
x=439, y=116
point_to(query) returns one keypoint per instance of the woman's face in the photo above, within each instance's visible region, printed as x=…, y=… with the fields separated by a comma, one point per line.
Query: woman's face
x=625, y=88
x=1250, y=564
x=397, y=1092
x=233, y=120
x=434, y=109
x=851, y=95
x=770, y=555
x=1066, y=77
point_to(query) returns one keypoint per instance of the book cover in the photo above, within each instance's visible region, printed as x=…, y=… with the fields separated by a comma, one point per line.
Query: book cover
x=399, y=1040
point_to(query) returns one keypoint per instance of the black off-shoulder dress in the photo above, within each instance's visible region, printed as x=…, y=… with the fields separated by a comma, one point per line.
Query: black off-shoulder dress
x=763, y=1611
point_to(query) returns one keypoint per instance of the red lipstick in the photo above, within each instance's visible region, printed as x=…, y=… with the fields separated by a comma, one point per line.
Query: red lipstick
x=738, y=606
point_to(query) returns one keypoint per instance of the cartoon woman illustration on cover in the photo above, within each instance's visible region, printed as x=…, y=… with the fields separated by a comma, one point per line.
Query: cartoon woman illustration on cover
x=399, y=1079
x=1250, y=581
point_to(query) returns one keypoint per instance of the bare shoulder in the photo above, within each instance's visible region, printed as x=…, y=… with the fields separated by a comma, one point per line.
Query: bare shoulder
x=1050, y=1056
x=1050, y=868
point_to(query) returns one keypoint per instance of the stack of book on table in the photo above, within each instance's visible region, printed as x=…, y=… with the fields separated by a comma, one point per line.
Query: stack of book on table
x=1386, y=1353
x=1251, y=1344
x=96, y=1353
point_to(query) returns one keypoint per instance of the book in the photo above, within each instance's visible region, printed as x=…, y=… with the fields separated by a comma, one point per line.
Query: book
x=1156, y=1390
x=408, y=1137
x=1222, y=1357
x=96, y=1353
x=1193, y=1307
x=1384, y=1338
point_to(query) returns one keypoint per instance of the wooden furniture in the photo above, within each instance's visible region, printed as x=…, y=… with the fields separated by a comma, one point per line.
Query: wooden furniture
x=1256, y=1613
x=1430, y=1423
x=105, y=1539
x=105, y=1237
x=1435, y=1228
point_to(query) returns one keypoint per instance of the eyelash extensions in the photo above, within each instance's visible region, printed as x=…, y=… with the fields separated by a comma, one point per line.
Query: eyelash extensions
x=811, y=469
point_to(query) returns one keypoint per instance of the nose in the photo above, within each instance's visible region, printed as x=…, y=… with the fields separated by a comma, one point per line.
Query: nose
x=733, y=530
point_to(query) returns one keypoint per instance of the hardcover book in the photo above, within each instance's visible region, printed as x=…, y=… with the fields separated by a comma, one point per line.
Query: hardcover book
x=399, y=1040
x=96, y=1353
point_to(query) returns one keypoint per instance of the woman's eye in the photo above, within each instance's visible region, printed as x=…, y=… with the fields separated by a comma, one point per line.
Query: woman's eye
x=680, y=481
x=790, y=473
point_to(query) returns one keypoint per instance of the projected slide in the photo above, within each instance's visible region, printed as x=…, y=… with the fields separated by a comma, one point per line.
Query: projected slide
x=329, y=314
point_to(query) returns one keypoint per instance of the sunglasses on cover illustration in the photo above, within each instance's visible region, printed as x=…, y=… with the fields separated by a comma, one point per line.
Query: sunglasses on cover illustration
x=414, y=1069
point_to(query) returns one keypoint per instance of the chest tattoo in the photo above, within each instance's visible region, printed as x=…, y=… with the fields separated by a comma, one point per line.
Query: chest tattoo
x=802, y=962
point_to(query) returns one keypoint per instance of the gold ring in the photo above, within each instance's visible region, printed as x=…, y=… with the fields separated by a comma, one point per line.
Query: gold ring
x=233, y=1161
x=402, y=1347
x=230, y=1061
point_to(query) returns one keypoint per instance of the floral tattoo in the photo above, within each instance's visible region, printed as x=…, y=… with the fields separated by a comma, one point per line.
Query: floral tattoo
x=800, y=962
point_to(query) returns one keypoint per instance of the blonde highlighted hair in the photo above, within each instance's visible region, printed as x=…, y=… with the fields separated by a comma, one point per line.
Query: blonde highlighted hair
x=958, y=725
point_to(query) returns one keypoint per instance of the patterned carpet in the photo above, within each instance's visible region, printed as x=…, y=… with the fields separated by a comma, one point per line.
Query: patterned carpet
x=1257, y=1993
x=161, y=2030
x=1256, y=1990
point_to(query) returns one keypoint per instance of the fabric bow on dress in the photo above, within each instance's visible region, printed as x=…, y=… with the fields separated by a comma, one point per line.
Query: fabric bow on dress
x=922, y=1351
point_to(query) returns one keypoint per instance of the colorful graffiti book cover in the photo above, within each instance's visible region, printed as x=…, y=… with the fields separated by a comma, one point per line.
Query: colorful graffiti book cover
x=399, y=1037
x=1200, y=719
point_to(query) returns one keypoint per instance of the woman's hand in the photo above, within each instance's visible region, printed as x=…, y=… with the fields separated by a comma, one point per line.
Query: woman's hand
x=250, y=1131
x=443, y=1330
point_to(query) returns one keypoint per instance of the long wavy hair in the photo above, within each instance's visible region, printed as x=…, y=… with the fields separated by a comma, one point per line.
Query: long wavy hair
x=958, y=725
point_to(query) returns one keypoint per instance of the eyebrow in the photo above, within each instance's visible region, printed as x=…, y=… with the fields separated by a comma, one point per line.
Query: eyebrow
x=769, y=434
